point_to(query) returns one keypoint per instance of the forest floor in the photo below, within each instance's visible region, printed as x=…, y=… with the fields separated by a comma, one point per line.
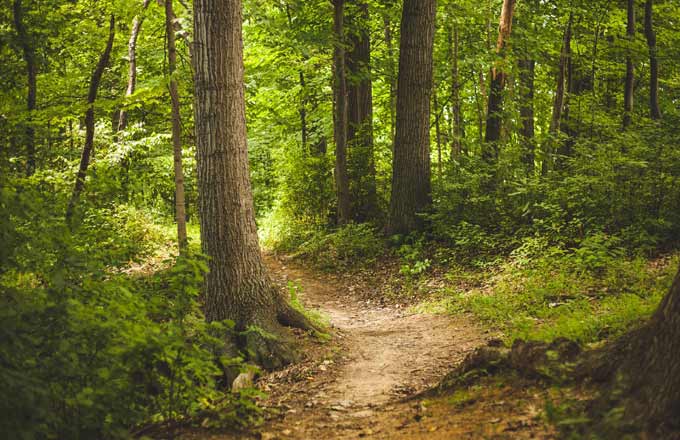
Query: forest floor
x=369, y=380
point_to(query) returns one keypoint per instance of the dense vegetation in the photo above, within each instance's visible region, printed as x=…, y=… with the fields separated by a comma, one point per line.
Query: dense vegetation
x=534, y=166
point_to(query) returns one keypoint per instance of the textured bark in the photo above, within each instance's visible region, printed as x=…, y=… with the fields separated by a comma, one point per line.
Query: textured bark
x=89, y=121
x=341, y=113
x=180, y=208
x=527, y=75
x=629, y=87
x=392, y=75
x=237, y=287
x=654, y=110
x=559, y=100
x=28, y=51
x=132, y=64
x=411, y=186
x=494, y=115
x=364, y=197
x=457, y=123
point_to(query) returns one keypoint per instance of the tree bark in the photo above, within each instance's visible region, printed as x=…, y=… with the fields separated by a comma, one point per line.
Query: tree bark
x=654, y=109
x=494, y=116
x=180, y=208
x=629, y=88
x=28, y=50
x=456, y=143
x=132, y=64
x=89, y=121
x=341, y=114
x=238, y=286
x=360, y=118
x=392, y=77
x=558, y=102
x=411, y=186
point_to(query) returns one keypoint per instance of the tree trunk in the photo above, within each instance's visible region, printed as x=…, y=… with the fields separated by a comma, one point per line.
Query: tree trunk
x=411, y=186
x=629, y=88
x=392, y=76
x=437, y=133
x=238, y=286
x=654, y=110
x=558, y=102
x=494, y=116
x=527, y=75
x=180, y=209
x=89, y=121
x=132, y=64
x=360, y=119
x=340, y=117
x=31, y=78
x=456, y=144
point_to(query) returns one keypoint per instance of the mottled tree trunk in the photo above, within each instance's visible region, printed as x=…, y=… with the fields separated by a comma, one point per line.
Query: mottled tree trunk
x=457, y=131
x=340, y=114
x=364, y=197
x=494, y=115
x=132, y=64
x=180, y=208
x=654, y=109
x=89, y=121
x=558, y=102
x=411, y=186
x=28, y=51
x=238, y=286
x=629, y=87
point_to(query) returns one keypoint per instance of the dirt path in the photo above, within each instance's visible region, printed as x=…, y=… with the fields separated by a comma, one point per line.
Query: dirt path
x=361, y=384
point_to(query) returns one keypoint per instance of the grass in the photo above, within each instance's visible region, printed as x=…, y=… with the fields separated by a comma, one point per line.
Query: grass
x=552, y=297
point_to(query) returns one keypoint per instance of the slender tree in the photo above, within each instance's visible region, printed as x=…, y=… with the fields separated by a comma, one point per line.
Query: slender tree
x=654, y=109
x=629, y=87
x=341, y=113
x=456, y=110
x=238, y=286
x=494, y=115
x=89, y=121
x=132, y=63
x=180, y=209
x=411, y=186
x=29, y=55
x=360, y=117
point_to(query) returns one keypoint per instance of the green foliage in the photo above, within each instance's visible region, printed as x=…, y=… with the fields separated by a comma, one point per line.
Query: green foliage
x=350, y=246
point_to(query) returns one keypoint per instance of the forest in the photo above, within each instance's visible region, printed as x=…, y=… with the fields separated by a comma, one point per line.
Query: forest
x=321, y=219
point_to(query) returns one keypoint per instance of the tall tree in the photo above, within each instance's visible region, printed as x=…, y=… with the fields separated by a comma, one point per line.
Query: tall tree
x=629, y=87
x=180, y=208
x=29, y=55
x=341, y=113
x=411, y=186
x=89, y=121
x=238, y=286
x=132, y=63
x=360, y=116
x=456, y=111
x=650, y=34
x=494, y=115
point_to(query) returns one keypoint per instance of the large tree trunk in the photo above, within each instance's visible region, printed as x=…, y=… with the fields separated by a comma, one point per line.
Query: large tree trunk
x=237, y=287
x=360, y=118
x=89, y=121
x=28, y=50
x=494, y=115
x=340, y=114
x=132, y=64
x=629, y=87
x=180, y=208
x=411, y=186
x=654, y=110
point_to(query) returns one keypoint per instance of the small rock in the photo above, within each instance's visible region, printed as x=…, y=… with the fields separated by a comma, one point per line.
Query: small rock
x=243, y=381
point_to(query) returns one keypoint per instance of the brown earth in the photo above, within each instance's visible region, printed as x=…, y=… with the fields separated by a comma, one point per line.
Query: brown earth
x=365, y=382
